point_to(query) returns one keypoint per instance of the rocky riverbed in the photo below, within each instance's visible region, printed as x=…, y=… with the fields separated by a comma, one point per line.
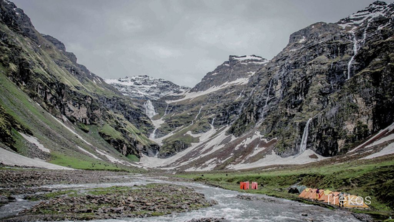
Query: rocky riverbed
x=114, y=202
x=80, y=195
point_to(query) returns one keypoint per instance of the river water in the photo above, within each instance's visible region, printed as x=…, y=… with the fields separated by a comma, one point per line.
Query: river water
x=228, y=207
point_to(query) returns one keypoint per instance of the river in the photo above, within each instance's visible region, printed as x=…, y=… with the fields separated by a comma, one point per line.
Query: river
x=228, y=207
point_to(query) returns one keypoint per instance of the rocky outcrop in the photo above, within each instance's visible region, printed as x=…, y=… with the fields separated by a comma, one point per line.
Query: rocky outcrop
x=42, y=68
x=332, y=73
x=7, y=124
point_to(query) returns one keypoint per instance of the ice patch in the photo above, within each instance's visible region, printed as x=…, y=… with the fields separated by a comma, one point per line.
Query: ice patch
x=89, y=153
x=34, y=140
x=193, y=95
x=274, y=159
x=72, y=131
x=13, y=159
x=386, y=151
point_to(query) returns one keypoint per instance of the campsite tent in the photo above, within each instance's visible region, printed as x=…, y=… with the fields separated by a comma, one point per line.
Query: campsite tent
x=324, y=195
x=311, y=194
x=352, y=201
x=304, y=193
x=296, y=189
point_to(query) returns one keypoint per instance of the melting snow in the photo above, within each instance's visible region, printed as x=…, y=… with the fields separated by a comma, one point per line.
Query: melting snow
x=72, y=131
x=249, y=57
x=274, y=159
x=13, y=159
x=386, y=151
x=193, y=95
x=87, y=152
x=302, y=40
x=389, y=129
x=34, y=140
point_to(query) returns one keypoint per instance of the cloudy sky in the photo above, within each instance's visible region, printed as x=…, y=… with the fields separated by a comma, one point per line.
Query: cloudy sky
x=177, y=40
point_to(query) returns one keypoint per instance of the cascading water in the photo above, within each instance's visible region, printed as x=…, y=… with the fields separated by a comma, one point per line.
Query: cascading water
x=239, y=96
x=265, y=106
x=349, y=66
x=199, y=111
x=149, y=109
x=153, y=134
x=304, y=139
x=165, y=111
x=213, y=121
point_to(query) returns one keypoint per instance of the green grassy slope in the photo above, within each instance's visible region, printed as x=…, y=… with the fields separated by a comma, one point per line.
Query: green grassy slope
x=372, y=178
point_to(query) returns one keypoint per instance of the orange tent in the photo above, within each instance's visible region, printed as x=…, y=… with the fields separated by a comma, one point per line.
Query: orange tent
x=244, y=185
x=304, y=193
x=311, y=194
x=332, y=198
x=324, y=195
x=352, y=201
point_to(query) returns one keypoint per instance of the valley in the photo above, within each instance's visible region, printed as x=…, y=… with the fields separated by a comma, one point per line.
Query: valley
x=319, y=114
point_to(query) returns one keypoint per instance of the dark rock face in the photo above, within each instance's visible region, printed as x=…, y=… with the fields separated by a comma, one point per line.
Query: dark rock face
x=235, y=68
x=332, y=73
x=52, y=77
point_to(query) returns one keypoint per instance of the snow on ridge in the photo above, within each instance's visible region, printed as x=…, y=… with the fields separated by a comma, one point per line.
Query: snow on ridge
x=247, y=57
x=146, y=87
x=193, y=95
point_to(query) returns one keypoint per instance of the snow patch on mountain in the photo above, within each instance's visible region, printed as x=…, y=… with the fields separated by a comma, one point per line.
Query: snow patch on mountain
x=145, y=87
x=275, y=159
x=193, y=95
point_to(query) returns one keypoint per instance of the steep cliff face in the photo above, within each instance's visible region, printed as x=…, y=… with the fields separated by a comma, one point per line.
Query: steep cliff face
x=339, y=76
x=329, y=90
x=41, y=67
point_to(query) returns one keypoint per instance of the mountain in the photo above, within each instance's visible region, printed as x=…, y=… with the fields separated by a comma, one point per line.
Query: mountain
x=146, y=88
x=327, y=96
x=49, y=100
x=329, y=90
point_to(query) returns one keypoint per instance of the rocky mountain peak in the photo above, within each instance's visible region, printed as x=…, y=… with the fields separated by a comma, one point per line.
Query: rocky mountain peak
x=146, y=87
x=375, y=10
x=237, y=67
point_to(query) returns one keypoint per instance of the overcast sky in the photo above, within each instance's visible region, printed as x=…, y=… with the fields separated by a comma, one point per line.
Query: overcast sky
x=177, y=40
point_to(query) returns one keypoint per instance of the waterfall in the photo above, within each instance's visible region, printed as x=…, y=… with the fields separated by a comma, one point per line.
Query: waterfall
x=240, y=95
x=165, y=111
x=153, y=134
x=349, y=66
x=365, y=32
x=199, y=111
x=304, y=139
x=213, y=121
x=265, y=106
x=268, y=95
x=149, y=109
